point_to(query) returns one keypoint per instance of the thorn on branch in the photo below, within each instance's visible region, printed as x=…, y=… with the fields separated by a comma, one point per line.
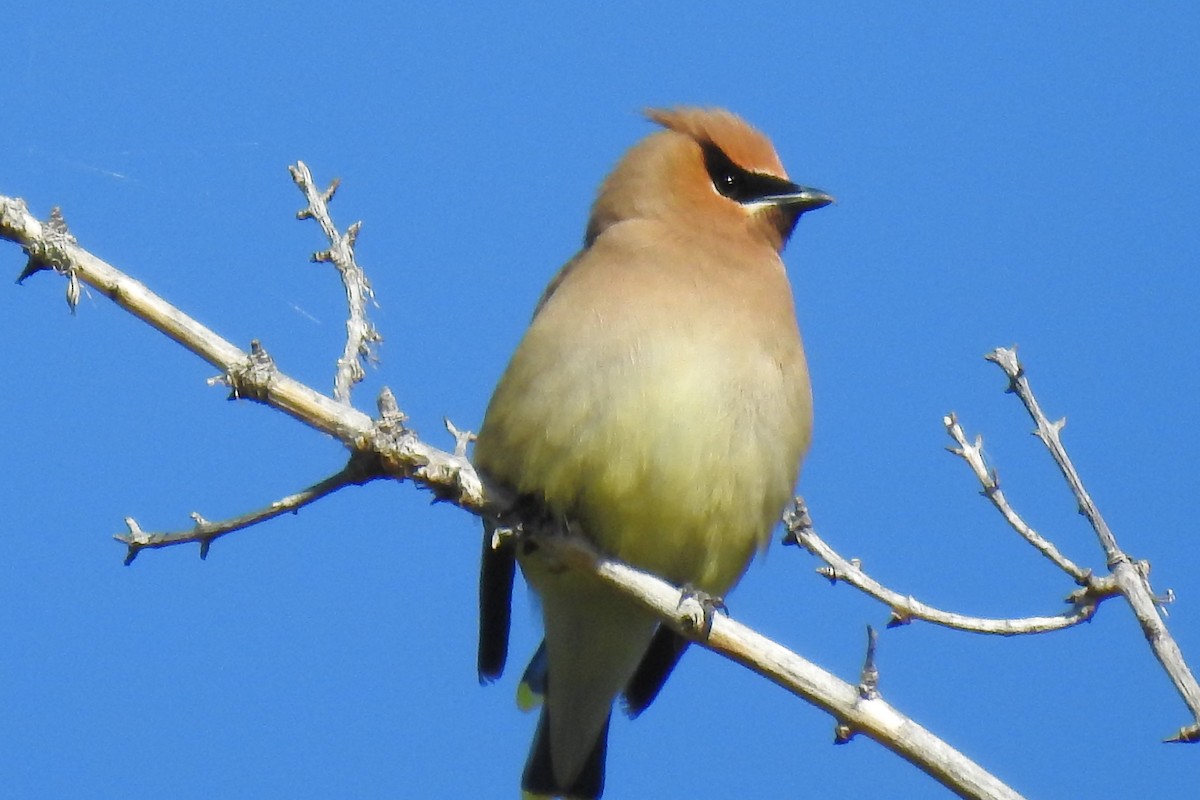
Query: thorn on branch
x=843, y=733
x=1163, y=600
x=868, y=683
x=32, y=266
x=73, y=290
x=328, y=194
x=829, y=573
x=1188, y=735
x=461, y=438
x=135, y=539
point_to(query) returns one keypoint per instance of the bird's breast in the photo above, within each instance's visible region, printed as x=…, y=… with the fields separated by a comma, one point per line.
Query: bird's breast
x=672, y=431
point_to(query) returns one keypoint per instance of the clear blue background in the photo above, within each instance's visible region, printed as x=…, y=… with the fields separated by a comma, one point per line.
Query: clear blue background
x=1005, y=173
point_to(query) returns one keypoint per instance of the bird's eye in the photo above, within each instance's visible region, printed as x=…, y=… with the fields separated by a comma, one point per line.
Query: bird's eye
x=730, y=180
x=740, y=185
x=727, y=177
x=726, y=183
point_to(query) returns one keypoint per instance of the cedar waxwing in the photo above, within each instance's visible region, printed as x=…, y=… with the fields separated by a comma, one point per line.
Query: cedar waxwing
x=660, y=400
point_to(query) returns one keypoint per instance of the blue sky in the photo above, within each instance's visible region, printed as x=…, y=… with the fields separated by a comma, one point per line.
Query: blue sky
x=1005, y=173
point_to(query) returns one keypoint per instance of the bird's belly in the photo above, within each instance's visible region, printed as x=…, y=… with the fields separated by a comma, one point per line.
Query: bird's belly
x=677, y=465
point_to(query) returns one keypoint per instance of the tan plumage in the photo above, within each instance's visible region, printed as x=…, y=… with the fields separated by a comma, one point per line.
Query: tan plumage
x=660, y=399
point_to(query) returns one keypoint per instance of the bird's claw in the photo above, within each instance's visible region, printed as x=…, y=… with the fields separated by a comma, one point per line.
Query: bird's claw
x=708, y=606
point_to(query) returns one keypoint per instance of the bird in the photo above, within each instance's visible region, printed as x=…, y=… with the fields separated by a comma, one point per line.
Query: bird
x=660, y=402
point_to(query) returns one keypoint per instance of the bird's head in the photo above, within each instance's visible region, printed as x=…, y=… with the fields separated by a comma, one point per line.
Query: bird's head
x=709, y=169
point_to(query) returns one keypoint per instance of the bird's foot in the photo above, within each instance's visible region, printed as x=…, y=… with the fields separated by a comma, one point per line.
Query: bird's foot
x=708, y=605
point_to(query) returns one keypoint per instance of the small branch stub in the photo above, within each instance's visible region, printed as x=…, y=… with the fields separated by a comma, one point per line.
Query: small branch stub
x=868, y=683
x=252, y=381
x=462, y=439
x=50, y=250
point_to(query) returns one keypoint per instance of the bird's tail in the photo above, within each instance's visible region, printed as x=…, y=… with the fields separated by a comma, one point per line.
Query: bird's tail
x=539, y=780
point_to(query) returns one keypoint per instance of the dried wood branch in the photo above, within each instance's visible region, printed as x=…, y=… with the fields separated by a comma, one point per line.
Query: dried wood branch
x=361, y=336
x=905, y=608
x=1132, y=577
x=389, y=448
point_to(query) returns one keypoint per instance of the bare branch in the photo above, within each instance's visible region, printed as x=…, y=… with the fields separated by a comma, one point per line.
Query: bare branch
x=973, y=455
x=1131, y=576
x=870, y=716
x=388, y=447
x=254, y=375
x=905, y=608
x=355, y=473
x=51, y=248
x=361, y=336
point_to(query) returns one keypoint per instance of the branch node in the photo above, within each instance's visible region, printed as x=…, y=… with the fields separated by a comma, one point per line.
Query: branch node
x=252, y=380
x=797, y=522
x=50, y=250
x=328, y=194
x=389, y=408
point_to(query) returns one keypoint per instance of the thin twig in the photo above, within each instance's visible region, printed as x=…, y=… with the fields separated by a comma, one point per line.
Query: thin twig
x=395, y=450
x=361, y=336
x=1131, y=576
x=905, y=608
x=254, y=375
x=973, y=455
x=206, y=532
x=868, y=681
x=51, y=248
